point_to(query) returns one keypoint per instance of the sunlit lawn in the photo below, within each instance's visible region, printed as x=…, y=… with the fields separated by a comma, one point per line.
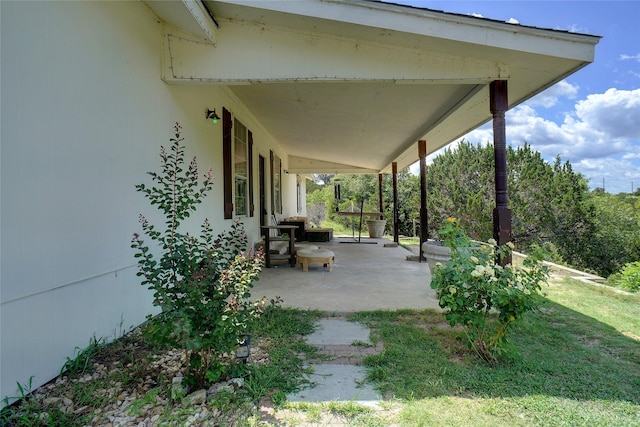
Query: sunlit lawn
x=577, y=362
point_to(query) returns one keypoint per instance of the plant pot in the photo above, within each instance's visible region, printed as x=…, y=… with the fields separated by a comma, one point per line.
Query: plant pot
x=376, y=227
x=435, y=252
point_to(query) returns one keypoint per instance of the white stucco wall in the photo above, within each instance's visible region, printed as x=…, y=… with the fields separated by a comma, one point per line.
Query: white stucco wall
x=84, y=112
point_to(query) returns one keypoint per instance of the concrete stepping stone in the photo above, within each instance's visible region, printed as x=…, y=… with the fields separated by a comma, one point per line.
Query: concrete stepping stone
x=337, y=382
x=338, y=331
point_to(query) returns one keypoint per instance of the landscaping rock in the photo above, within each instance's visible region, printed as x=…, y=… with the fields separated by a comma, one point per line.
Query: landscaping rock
x=198, y=397
x=177, y=389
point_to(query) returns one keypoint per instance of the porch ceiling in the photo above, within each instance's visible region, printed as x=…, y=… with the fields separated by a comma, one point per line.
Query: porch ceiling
x=351, y=86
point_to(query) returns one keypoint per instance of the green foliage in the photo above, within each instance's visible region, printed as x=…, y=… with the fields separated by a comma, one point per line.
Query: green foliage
x=29, y=412
x=202, y=284
x=481, y=295
x=81, y=362
x=460, y=183
x=23, y=392
x=356, y=188
x=550, y=252
x=628, y=278
x=615, y=240
x=548, y=202
x=551, y=207
x=408, y=202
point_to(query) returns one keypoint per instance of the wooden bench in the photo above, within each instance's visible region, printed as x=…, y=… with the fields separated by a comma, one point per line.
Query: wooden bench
x=322, y=256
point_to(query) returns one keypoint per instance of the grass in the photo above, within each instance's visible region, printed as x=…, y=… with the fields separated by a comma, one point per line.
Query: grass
x=608, y=305
x=574, y=365
x=576, y=362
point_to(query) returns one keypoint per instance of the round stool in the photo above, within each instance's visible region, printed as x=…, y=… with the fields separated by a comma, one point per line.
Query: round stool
x=322, y=256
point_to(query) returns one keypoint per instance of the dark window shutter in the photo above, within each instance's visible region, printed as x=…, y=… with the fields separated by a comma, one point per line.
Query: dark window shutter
x=280, y=184
x=250, y=177
x=227, y=140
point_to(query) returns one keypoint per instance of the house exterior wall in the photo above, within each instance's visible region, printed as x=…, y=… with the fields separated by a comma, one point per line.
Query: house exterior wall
x=84, y=112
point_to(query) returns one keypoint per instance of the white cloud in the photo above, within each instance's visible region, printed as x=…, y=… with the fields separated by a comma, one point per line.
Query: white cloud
x=601, y=125
x=617, y=175
x=635, y=57
x=573, y=28
x=550, y=97
x=615, y=113
x=477, y=15
x=513, y=21
x=601, y=137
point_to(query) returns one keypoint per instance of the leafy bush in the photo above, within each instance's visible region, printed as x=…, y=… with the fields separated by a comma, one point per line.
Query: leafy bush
x=551, y=252
x=201, y=284
x=482, y=296
x=628, y=278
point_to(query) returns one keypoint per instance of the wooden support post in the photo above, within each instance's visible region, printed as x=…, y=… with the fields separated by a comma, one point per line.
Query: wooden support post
x=380, y=201
x=424, y=224
x=394, y=172
x=501, y=213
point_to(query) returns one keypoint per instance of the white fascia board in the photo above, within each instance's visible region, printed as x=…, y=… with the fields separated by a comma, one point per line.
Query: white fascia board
x=429, y=23
x=275, y=54
x=202, y=17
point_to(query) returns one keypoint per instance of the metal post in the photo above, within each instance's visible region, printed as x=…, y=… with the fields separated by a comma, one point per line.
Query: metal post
x=501, y=213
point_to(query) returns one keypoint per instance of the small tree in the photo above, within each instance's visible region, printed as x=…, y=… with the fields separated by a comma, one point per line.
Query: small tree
x=201, y=283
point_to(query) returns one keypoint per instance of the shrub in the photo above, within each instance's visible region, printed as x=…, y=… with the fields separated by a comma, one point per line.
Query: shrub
x=482, y=296
x=551, y=252
x=629, y=277
x=201, y=283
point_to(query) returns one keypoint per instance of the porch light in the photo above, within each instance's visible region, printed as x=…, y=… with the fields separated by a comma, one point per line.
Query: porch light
x=244, y=349
x=213, y=116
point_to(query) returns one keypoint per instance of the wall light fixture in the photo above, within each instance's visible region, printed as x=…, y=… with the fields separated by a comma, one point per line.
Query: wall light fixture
x=211, y=115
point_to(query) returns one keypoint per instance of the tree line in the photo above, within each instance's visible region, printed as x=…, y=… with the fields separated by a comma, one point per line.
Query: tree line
x=552, y=206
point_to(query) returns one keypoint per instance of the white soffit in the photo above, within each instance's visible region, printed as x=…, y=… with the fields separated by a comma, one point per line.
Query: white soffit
x=357, y=83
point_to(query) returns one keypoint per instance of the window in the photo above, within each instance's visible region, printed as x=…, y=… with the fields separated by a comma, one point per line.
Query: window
x=276, y=184
x=240, y=169
x=237, y=151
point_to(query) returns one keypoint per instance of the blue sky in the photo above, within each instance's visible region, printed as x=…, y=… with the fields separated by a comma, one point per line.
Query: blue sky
x=592, y=118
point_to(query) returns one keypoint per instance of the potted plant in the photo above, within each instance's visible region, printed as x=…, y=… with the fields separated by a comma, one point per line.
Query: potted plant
x=376, y=227
x=439, y=251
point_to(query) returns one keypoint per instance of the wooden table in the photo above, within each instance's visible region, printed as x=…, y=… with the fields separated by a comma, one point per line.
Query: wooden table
x=268, y=256
x=322, y=256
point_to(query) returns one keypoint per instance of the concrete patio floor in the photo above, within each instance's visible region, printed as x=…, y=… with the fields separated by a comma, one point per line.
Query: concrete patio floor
x=365, y=276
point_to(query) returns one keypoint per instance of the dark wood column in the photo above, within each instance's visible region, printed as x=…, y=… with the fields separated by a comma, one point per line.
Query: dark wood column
x=394, y=172
x=424, y=223
x=380, y=201
x=501, y=213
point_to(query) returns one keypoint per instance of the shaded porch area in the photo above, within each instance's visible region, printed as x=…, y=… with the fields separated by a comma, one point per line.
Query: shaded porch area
x=365, y=276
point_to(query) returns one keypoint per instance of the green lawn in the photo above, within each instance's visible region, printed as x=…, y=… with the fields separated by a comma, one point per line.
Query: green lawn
x=576, y=362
